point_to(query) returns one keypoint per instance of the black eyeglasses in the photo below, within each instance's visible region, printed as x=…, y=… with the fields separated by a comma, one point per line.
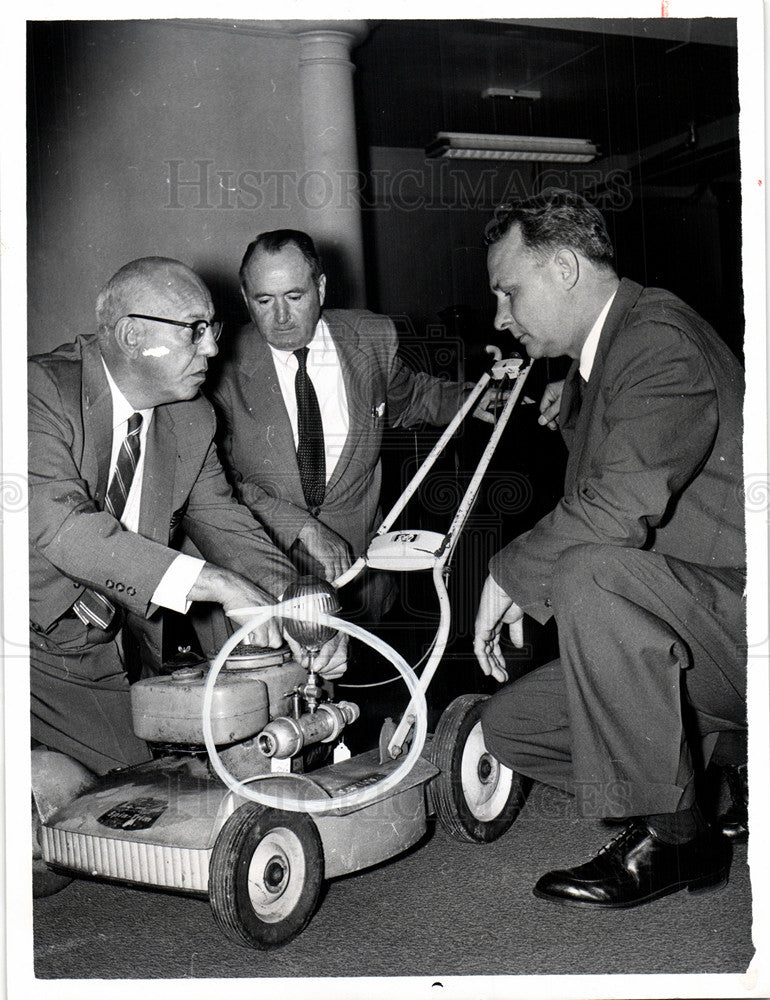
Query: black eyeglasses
x=197, y=327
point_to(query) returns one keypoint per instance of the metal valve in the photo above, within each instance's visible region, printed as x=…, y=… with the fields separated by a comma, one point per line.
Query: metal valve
x=285, y=737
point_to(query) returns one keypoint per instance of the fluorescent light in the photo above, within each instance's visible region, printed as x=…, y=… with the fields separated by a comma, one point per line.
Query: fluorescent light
x=506, y=92
x=537, y=148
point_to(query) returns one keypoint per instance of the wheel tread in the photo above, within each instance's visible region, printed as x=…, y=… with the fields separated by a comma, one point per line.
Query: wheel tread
x=453, y=814
x=230, y=858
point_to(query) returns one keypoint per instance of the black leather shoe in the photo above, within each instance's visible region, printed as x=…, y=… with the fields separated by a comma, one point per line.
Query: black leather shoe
x=734, y=822
x=636, y=867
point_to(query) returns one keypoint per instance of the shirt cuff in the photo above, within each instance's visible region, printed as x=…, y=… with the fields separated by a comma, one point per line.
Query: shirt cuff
x=177, y=582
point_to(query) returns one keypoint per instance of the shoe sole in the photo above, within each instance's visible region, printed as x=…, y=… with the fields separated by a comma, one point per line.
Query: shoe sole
x=709, y=883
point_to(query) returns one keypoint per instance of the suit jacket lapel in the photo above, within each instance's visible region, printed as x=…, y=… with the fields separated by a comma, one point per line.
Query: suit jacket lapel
x=355, y=367
x=159, y=473
x=258, y=365
x=96, y=405
x=576, y=436
x=568, y=409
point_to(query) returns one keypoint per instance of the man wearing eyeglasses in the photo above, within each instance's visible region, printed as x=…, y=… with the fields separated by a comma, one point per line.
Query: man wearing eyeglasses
x=121, y=465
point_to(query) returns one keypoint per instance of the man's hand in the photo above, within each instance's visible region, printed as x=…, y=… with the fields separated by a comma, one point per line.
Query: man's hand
x=232, y=591
x=331, y=660
x=491, y=397
x=495, y=609
x=550, y=405
x=326, y=547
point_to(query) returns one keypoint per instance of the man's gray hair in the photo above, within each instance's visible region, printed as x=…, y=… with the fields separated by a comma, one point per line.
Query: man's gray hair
x=112, y=301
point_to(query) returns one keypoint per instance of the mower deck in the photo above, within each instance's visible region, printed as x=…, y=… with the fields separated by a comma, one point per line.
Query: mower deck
x=156, y=823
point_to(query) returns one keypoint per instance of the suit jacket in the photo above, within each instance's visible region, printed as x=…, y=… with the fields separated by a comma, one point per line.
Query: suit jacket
x=259, y=449
x=75, y=543
x=655, y=456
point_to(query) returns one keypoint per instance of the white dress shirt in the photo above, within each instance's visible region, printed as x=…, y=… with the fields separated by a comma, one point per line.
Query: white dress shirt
x=323, y=367
x=588, y=353
x=179, y=578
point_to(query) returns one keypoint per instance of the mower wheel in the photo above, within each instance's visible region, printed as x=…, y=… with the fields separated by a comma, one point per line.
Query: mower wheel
x=476, y=798
x=265, y=876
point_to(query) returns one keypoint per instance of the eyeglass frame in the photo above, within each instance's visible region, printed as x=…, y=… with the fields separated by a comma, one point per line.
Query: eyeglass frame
x=194, y=326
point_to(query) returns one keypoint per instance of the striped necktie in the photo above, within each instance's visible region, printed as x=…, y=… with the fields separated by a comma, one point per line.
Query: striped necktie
x=125, y=467
x=311, y=457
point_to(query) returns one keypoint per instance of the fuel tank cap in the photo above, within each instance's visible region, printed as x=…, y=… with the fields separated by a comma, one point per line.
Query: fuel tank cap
x=245, y=655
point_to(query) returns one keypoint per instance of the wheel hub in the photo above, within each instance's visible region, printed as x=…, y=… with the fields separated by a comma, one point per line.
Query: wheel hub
x=486, y=769
x=485, y=783
x=276, y=873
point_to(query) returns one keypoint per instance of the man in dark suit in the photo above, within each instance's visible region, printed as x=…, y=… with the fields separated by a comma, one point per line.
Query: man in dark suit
x=121, y=463
x=641, y=563
x=311, y=473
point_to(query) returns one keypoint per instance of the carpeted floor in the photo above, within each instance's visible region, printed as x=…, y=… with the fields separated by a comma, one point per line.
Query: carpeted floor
x=443, y=909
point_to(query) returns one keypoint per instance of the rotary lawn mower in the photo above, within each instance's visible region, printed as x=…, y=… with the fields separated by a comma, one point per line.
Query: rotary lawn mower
x=241, y=803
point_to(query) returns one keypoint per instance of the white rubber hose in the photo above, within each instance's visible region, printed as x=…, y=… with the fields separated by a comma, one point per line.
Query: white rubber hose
x=315, y=806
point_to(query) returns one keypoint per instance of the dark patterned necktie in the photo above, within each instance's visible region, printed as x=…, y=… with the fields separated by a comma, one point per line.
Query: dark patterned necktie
x=580, y=388
x=310, y=445
x=125, y=467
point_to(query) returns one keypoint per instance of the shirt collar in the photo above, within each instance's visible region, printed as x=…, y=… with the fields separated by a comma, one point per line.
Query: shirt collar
x=318, y=346
x=121, y=408
x=588, y=353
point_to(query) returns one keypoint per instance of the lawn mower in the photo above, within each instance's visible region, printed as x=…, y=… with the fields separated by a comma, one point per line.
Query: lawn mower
x=241, y=803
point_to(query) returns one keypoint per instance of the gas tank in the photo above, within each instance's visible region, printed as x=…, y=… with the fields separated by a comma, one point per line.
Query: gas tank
x=251, y=689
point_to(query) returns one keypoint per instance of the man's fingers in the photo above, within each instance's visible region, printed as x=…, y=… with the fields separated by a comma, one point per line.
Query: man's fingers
x=549, y=415
x=275, y=636
x=500, y=674
x=550, y=404
x=490, y=657
x=332, y=659
x=267, y=635
x=516, y=632
x=486, y=646
x=483, y=415
x=336, y=561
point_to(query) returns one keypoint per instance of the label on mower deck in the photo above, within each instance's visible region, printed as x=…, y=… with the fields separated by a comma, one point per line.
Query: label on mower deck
x=362, y=782
x=135, y=814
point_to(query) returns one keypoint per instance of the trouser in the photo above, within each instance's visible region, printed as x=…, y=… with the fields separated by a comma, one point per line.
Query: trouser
x=652, y=668
x=80, y=700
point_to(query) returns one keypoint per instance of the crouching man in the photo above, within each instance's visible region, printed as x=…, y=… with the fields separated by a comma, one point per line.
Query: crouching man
x=641, y=562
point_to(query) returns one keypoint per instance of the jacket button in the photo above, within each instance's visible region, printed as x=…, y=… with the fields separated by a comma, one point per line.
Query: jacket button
x=131, y=591
x=109, y=584
x=548, y=602
x=120, y=587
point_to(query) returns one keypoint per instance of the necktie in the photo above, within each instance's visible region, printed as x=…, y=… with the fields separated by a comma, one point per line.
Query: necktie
x=125, y=467
x=580, y=388
x=92, y=608
x=310, y=445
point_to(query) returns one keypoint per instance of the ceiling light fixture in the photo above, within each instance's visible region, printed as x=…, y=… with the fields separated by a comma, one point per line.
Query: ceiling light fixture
x=533, y=148
x=512, y=95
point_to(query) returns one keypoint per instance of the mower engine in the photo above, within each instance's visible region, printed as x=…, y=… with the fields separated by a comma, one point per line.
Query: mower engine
x=266, y=708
